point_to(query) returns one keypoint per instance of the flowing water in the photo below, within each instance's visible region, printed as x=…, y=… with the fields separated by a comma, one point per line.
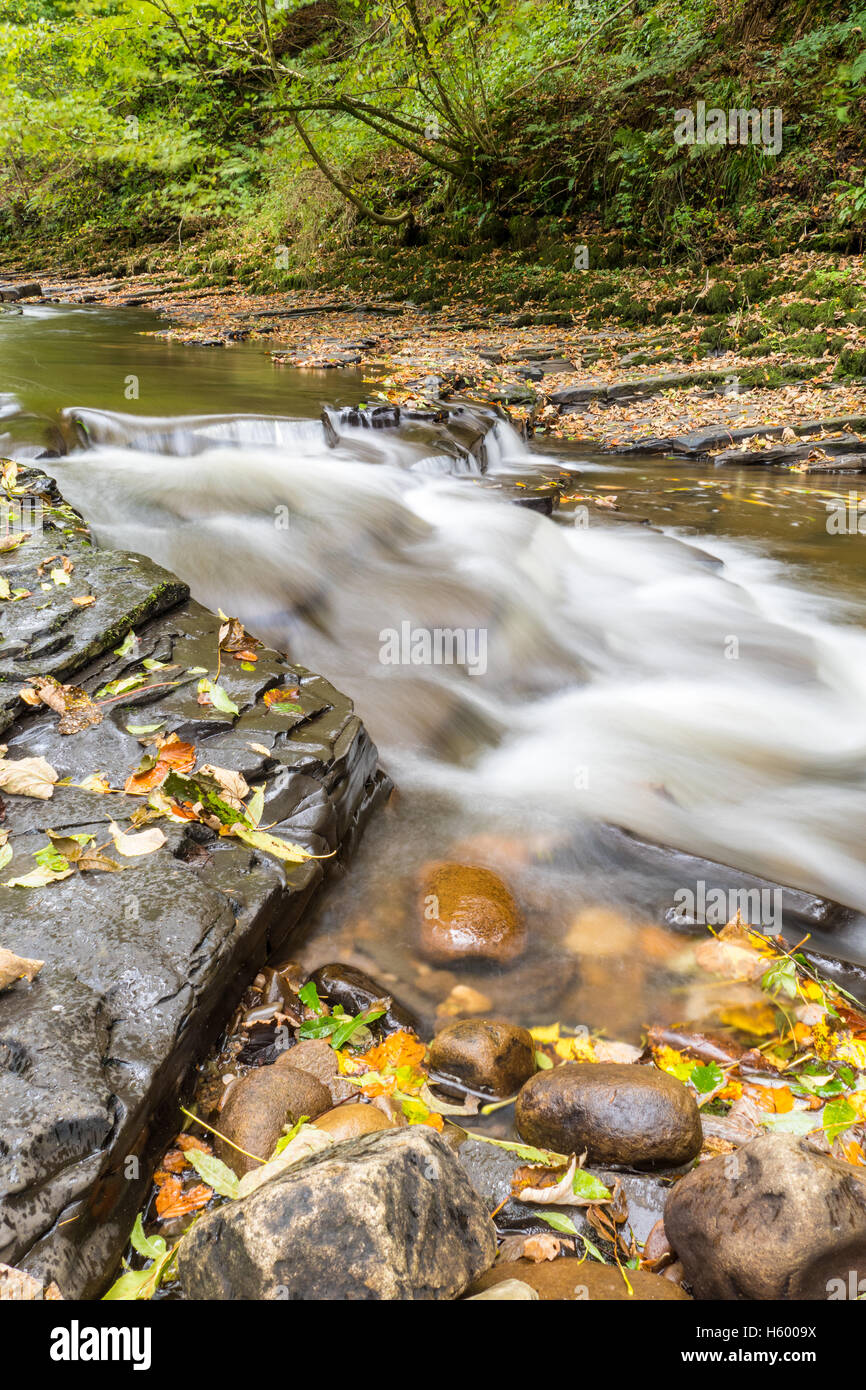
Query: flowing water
x=700, y=681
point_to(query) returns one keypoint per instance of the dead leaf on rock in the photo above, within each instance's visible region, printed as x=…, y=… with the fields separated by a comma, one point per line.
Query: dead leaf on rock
x=75, y=707
x=14, y=968
x=27, y=776
x=132, y=846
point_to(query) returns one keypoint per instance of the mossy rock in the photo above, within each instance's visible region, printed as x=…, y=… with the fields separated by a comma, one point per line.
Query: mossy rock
x=669, y=305
x=718, y=335
x=720, y=298
x=852, y=363
x=601, y=289
x=630, y=310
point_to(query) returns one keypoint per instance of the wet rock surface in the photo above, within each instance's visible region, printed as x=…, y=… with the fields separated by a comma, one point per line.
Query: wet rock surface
x=150, y=961
x=257, y=1108
x=387, y=1216
x=488, y=1055
x=352, y=1120
x=357, y=992
x=491, y=1171
x=774, y=1220
x=570, y=1279
x=468, y=914
x=636, y=1116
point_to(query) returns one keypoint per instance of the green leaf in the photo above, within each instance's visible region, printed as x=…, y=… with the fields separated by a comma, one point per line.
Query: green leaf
x=215, y=1173
x=838, y=1116
x=781, y=978
x=309, y=995
x=706, y=1079
x=272, y=844
x=152, y=1247
x=589, y=1186
x=132, y=1285
x=39, y=878
x=286, y=1139
x=558, y=1221
x=794, y=1122
x=138, y=729
x=527, y=1152
x=5, y=855
x=256, y=805
x=127, y=646
x=285, y=707
x=542, y=1061
x=345, y=1031
x=219, y=698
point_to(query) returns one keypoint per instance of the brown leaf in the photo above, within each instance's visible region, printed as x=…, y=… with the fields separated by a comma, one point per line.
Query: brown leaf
x=14, y=968
x=173, y=1200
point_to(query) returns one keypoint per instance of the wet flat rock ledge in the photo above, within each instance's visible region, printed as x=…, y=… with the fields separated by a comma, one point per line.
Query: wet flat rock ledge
x=141, y=967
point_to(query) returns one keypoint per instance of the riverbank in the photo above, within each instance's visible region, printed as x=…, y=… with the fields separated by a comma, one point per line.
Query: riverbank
x=147, y=922
x=632, y=360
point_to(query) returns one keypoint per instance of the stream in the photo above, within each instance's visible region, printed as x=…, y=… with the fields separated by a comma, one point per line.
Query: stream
x=699, y=681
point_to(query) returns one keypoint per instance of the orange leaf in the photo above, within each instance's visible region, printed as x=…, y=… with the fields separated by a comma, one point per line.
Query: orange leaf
x=172, y=1201
x=177, y=755
x=189, y=1141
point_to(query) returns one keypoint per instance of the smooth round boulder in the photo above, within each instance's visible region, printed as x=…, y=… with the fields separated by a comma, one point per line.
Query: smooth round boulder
x=628, y=1115
x=257, y=1108
x=484, y=1054
x=777, y=1220
x=568, y=1279
x=468, y=914
x=351, y=1121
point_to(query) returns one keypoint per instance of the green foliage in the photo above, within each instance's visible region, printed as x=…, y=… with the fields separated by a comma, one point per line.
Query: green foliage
x=125, y=122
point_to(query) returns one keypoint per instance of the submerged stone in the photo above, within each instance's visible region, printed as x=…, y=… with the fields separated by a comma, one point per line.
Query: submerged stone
x=484, y=1054
x=257, y=1108
x=468, y=913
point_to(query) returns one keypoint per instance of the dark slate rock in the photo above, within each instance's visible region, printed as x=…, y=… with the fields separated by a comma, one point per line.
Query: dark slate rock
x=142, y=967
x=490, y=1171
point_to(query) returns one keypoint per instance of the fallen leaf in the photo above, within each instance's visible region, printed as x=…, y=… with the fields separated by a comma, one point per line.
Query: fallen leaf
x=14, y=968
x=172, y=1201
x=132, y=846
x=27, y=777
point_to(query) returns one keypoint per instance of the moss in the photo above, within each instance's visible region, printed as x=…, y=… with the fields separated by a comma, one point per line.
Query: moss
x=852, y=363
x=720, y=298
x=635, y=311
x=718, y=335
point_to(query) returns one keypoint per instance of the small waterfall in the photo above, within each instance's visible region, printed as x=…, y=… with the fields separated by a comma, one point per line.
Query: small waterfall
x=607, y=692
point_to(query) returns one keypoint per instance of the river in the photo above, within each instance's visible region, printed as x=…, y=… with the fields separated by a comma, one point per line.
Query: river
x=699, y=681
